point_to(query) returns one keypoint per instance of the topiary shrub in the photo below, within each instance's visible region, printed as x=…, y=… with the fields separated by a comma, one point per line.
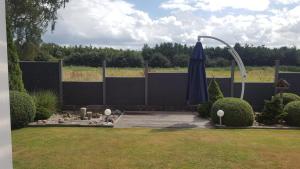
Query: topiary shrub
x=273, y=109
x=214, y=94
x=22, y=109
x=237, y=112
x=14, y=71
x=272, y=112
x=287, y=97
x=292, y=110
x=46, y=104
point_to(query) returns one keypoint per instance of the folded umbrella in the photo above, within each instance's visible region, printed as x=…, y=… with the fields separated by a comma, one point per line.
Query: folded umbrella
x=197, y=84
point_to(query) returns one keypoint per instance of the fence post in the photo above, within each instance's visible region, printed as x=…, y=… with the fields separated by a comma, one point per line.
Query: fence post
x=146, y=82
x=60, y=69
x=232, y=78
x=276, y=75
x=104, y=82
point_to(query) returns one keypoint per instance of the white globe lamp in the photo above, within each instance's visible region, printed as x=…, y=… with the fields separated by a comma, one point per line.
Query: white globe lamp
x=220, y=114
x=107, y=112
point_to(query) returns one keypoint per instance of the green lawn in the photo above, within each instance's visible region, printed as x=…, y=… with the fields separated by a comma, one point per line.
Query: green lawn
x=101, y=148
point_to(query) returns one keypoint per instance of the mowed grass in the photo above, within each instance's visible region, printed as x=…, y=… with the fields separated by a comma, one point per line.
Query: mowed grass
x=78, y=73
x=102, y=148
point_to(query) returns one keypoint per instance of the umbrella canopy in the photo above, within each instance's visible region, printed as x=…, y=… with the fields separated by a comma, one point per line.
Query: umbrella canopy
x=197, y=83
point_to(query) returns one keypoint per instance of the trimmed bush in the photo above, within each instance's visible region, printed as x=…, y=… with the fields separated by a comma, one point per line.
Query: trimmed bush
x=214, y=93
x=14, y=71
x=204, y=110
x=287, y=97
x=237, y=112
x=293, y=113
x=46, y=104
x=22, y=109
x=273, y=112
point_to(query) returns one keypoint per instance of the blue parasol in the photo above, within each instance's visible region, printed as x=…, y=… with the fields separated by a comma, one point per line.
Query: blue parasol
x=197, y=83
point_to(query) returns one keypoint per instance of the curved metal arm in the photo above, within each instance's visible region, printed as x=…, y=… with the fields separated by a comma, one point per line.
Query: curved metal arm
x=236, y=57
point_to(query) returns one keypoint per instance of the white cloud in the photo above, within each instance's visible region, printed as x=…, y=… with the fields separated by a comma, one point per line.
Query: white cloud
x=286, y=2
x=215, y=5
x=119, y=24
x=182, y=5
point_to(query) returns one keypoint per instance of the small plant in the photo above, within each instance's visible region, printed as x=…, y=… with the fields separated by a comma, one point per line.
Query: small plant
x=215, y=94
x=22, y=109
x=204, y=110
x=292, y=111
x=46, y=104
x=237, y=112
x=273, y=112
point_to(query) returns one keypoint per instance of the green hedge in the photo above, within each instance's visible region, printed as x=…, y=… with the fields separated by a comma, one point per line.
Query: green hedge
x=22, y=109
x=293, y=113
x=273, y=112
x=287, y=97
x=46, y=104
x=237, y=112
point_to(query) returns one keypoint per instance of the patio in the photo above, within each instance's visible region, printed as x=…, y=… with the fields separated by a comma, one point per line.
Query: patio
x=161, y=119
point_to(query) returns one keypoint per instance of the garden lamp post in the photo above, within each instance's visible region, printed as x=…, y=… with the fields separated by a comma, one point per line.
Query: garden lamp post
x=220, y=114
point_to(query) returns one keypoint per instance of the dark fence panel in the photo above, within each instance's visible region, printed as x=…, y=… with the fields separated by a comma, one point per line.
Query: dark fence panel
x=169, y=89
x=255, y=93
x=41, y=76
x=294, y=79
x=125, y=90
x=82, y=93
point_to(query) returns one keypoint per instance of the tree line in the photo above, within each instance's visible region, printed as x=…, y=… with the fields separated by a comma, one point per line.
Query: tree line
x=165, y=55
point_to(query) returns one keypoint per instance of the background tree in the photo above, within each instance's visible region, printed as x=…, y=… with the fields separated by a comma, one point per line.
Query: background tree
x=28, y=20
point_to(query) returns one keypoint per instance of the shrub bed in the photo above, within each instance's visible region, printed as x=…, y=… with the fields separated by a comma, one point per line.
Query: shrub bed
x=22, y=109
x=46, y=104
x=293, y=113
x=287, y=97
x=237, y=112
x=273, y=109
x=214, y=93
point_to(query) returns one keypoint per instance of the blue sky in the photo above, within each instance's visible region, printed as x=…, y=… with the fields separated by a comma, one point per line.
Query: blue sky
x=132, y=23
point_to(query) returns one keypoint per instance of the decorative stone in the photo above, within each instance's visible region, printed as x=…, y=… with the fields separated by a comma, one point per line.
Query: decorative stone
x=60, y=120
x=109, y=119
x=82, y=112
x=85, y=118
x=109, y=123
x=118, y=112
x=44, y=121
x=89, y=115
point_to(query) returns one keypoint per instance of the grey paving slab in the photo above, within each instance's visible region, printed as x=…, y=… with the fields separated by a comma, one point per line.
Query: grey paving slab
x=161, y=119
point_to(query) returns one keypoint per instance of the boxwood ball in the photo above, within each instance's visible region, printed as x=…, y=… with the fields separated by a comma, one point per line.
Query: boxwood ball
x=237, y=112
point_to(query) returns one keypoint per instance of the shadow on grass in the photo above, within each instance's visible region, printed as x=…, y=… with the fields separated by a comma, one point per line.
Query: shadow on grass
x=175, y=127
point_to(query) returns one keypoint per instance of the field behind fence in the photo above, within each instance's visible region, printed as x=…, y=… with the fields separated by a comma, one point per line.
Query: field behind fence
x=80, y=73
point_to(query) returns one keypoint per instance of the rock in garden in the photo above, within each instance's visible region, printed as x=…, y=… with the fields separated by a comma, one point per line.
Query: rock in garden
x=82, y=112
x=89, y=115
x=60, y=120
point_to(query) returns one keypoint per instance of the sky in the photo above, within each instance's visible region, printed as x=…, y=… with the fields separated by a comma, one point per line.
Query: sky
x=129, y=24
